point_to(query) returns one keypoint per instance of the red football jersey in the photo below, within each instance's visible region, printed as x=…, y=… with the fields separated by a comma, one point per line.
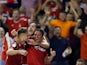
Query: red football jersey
x=24, y=16
x=12, y=25
x=17, y=59
x=36, y=55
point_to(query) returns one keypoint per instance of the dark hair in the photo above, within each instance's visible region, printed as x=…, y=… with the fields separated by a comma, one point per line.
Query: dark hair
x=41, y=31
x=81, y=60
x=22, y=30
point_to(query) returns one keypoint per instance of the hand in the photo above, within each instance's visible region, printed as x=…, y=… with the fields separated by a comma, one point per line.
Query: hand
x=23, y=52
x=32, y=10
x=32, y=42
x=52, y=52
x=14, y=32
x=79, y=20
x=67, y=52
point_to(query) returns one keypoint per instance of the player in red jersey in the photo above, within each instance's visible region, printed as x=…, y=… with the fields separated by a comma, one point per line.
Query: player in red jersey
x=33, y=50
x=37, y=54
x=15, y=22
x=17, y=53
x=23, y=12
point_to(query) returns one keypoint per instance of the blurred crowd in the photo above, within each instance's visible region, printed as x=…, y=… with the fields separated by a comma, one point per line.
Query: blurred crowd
x=43, y=32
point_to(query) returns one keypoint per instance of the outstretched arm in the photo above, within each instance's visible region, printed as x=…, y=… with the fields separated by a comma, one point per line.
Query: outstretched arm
x=78, y=32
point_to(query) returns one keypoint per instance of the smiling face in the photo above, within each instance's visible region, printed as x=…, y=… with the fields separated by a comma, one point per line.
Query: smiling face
x=38, y=35
x=16, y=15
x=57, y=31
x=31, y=28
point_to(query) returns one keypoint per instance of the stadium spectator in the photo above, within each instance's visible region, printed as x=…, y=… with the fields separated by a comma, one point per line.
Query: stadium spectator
x=15, y=22
x=65, y=25
x=17, y=53
x=83, y=39
x=61, y=46
x=35, y=4
x=80, y=62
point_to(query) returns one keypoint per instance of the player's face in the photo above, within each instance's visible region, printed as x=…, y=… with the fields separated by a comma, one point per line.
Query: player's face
x=23, y=37
x=31, y=28
x=38, y=35
x=16, y=15
x=2, y=32
x=57, y=32
x=86, y=29
x=80, y=63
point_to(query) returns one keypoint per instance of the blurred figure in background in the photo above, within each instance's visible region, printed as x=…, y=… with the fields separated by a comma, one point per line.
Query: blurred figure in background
x=2, y=35
x=61, y=46
x=54, y=5
x=65, y=25
x=80, y=62
x=15, y=22
x=83, y=39
x=35, y=4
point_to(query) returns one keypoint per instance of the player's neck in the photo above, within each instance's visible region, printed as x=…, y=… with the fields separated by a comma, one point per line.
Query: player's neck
x=16, y=21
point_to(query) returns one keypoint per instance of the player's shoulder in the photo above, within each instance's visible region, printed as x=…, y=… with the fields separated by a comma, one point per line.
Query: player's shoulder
x=23, y=19
x=10, y=18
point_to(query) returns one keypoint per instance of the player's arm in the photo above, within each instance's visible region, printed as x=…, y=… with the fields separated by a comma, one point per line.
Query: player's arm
x=48, y=59
x=76, y=10
x=45, y=3
x=11, y=52
x=58, y=3
x=38, y=8
x=44, y=43
x=78, y=32
x=2, y=18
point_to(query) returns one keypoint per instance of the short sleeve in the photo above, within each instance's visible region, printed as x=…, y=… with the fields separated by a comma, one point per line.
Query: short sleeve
x=73, y=24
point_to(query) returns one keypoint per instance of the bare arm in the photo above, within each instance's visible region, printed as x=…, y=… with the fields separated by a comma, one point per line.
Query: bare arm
x=39, y=8
x=76, y=10
x=45, y=3
x=58, y=3
x=15, y=52
x=78, y=32
x=43, y=44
